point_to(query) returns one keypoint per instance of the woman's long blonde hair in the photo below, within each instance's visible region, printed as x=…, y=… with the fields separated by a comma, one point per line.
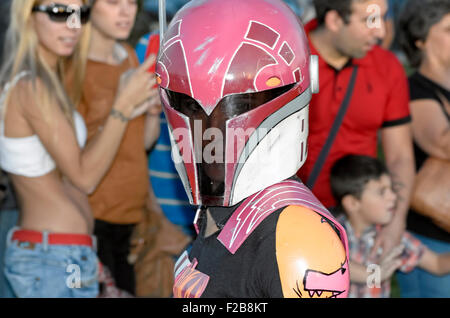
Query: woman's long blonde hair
x=21, y=54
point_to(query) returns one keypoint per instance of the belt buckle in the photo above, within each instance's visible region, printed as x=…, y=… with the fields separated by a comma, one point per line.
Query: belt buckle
x=26, y=245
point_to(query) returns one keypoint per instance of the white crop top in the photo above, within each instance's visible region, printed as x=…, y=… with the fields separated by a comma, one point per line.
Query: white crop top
x=27, y=156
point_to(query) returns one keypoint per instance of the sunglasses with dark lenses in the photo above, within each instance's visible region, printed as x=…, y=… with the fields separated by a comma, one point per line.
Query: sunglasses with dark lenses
x=61, y=12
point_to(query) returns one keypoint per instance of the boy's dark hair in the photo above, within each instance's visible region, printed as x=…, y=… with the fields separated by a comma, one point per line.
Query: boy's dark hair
x=351, y=173
x=416, y=19
x=342, y=7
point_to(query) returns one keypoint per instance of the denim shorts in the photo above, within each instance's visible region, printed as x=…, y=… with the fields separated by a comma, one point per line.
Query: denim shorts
x=8, y=219
x=51, y=271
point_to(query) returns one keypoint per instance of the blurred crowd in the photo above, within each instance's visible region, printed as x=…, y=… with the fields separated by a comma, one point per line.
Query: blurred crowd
x=104, y=173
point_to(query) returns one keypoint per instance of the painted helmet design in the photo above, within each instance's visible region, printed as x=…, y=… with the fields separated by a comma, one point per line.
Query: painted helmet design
x=236, y=78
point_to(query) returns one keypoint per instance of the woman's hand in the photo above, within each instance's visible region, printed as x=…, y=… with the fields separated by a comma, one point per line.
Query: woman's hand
x=151, y=106
x=136, y=87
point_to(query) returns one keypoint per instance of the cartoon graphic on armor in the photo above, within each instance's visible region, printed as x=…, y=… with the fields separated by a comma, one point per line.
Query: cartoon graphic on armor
x=189, y=282
x=307, y=271
x=319, y=283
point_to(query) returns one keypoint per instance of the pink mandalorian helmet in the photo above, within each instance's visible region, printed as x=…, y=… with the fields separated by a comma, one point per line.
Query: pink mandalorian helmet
x=236, y=78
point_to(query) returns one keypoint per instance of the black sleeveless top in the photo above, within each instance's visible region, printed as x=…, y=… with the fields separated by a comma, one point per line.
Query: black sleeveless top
x=423, y=88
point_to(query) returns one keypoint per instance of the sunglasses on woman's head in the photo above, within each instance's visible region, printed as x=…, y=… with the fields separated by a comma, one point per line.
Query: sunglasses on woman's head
x=61, y=12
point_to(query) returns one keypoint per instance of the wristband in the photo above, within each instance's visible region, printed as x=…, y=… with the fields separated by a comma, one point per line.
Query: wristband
x=118, y=114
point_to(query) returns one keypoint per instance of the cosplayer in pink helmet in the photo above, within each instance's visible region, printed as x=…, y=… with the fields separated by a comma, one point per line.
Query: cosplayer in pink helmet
x=236, y=78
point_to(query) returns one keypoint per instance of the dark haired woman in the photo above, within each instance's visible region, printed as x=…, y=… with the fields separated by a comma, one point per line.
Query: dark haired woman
x=425, y=38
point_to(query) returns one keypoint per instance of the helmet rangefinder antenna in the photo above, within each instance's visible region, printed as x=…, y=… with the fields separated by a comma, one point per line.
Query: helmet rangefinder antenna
x=162, y=19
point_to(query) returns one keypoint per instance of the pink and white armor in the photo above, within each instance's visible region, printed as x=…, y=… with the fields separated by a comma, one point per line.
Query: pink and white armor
x=236, y=78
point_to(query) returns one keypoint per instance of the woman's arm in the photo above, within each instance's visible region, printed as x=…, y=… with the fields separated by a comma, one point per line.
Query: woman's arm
x=152, y=122
x=358, y=273
x=437, y=264
x=431, y=129
x=84, y=168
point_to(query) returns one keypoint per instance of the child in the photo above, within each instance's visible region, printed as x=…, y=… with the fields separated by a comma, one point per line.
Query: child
x=362, y=187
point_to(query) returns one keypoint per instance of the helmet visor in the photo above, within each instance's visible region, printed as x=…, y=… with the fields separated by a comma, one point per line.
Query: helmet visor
x=210, y=131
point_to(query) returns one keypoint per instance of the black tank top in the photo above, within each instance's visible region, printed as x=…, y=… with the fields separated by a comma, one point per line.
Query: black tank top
x=423, y=88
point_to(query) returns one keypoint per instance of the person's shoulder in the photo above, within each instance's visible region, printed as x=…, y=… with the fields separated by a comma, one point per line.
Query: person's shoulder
x=24, y=86
x=313, y=224
x=126, y=46
x=386, y=66
x=27, y=93
x=303, y=236
x=286, y=221
x=422, y=88
x=380, y=52
x=130, y=50
x=131, y=53
x=384, y=59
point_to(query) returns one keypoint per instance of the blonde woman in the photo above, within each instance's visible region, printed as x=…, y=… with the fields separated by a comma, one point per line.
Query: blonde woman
x=42, y=146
